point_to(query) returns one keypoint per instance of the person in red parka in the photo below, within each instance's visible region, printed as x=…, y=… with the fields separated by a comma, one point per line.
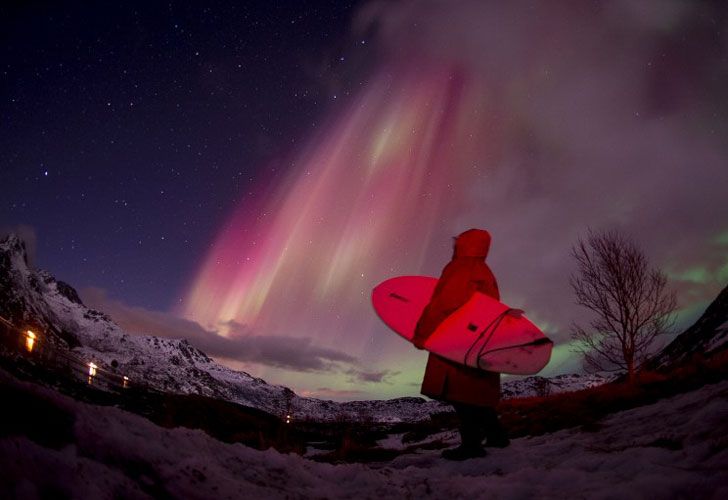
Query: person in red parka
x=473, y=393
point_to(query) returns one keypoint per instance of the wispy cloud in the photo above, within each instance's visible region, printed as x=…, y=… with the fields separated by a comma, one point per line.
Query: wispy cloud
x=371, y=376
x=291, y=353
x=611, y=127
x=336, y=394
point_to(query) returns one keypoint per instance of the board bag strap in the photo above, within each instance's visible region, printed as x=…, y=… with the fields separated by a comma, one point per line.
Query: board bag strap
x=489, y=330
x=533, y=343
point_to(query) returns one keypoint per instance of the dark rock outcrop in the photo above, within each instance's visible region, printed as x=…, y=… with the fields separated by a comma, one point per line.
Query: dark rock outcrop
x=708, y=336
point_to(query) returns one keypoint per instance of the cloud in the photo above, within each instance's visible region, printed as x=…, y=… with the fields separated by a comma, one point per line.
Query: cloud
x=335, y=394
x=609, y=115
x=371, y=376
x=291, y=353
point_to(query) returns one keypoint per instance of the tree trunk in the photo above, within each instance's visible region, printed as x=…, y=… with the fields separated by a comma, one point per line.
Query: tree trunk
x=630, y=369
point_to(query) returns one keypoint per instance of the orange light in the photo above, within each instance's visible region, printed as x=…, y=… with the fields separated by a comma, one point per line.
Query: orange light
x=91, y=372
x=126, y=382
x=29, y=340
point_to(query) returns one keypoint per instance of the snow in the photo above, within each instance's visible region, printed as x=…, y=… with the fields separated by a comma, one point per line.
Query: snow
x=674, y=448
x=719, y=339
x=531, y=386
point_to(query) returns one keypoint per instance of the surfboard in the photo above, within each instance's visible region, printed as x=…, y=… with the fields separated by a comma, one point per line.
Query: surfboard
x=483, y=333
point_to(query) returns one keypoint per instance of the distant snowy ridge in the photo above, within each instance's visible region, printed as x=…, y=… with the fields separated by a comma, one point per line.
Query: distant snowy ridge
x=165, y=364
x=176, y=366
x=542, y=386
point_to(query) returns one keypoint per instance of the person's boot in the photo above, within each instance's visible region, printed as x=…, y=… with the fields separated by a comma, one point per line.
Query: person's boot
x=471, y=435
x=496, y=436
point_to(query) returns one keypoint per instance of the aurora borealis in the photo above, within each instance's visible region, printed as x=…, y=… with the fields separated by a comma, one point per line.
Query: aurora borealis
x=244, y=176
x=373, y=190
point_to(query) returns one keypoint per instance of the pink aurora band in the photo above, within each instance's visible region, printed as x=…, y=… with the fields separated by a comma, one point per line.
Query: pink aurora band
x=364, y=202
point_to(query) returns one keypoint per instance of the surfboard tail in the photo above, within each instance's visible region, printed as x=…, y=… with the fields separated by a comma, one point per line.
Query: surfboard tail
x=527, y=358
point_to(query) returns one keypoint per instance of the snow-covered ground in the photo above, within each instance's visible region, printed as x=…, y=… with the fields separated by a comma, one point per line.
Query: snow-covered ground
x=675, y=448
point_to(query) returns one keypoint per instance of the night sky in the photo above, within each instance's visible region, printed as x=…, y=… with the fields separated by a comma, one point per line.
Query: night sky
x=131, y=129
x=242, y=174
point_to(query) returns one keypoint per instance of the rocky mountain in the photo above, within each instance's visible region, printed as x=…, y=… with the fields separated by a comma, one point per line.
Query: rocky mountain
x=36, y=299
x=708, y=336
x=23, y=294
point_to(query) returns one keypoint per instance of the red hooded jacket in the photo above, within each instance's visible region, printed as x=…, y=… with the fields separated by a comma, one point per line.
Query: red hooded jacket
x=465, y=274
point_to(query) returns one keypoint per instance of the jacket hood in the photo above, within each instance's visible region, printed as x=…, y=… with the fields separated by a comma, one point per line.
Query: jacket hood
x=472, y=243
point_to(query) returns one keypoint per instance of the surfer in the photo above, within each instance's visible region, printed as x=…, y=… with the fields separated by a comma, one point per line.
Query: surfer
x=473, y=393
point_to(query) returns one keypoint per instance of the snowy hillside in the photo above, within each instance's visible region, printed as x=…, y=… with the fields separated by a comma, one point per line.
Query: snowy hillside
x=172, y=365
x=541, y=386
x=164, y=364
x=176, y=366
x=673, y=449
x=707, y=336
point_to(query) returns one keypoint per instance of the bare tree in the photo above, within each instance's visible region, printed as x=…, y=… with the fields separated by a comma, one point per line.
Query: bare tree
x=630, y=300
